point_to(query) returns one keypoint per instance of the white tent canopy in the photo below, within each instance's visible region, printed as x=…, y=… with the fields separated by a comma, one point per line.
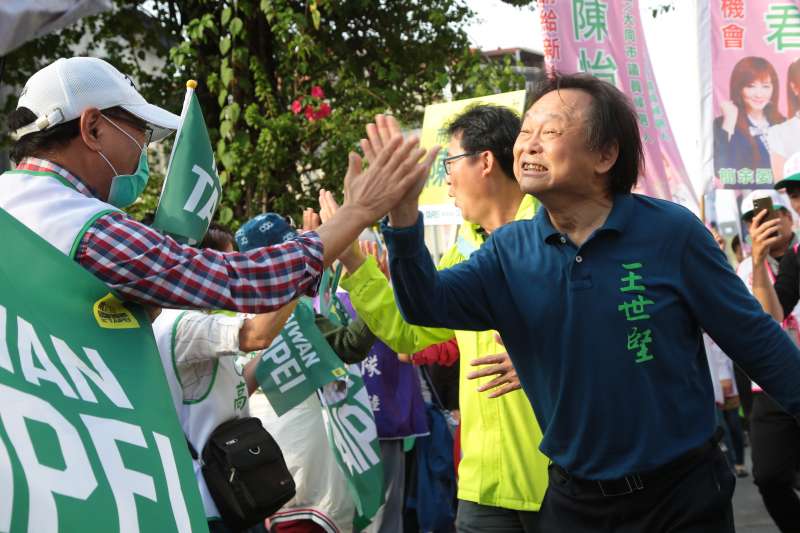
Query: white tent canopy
x=24, y=20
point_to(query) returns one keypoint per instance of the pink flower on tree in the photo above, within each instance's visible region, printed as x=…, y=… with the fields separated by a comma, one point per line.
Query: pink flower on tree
x=296, y=107
x=317, y=92
x=310, y=113
x=323, y=111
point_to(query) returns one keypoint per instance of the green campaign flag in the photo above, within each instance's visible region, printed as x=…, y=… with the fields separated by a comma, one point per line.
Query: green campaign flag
x=89, y=437
x=297, y=363
x=192, y=189
x=353, y=437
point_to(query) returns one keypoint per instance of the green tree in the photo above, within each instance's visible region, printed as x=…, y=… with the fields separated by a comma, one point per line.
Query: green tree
x=286, y=85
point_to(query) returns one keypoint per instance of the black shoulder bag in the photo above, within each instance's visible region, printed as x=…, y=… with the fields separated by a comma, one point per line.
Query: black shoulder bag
x=245, y=472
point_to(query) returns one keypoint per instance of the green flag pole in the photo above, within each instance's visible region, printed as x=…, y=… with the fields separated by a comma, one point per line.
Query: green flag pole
x=192, y=189
x=191, y=85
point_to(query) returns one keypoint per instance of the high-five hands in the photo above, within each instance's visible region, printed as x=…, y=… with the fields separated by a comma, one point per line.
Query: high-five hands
x=396, y=173
x=379, y=135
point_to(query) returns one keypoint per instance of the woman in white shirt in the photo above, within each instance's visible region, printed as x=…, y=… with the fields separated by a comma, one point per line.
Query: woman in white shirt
x=784, y=138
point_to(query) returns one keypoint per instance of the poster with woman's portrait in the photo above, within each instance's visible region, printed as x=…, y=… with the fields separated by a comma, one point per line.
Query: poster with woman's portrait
x=755, y=49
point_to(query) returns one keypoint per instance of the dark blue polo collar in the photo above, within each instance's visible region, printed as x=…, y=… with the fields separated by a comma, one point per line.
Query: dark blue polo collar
x=616, y=221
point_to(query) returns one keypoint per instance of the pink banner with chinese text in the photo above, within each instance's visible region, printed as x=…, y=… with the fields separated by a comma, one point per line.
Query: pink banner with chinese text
x=755, y=77
x=605, y=39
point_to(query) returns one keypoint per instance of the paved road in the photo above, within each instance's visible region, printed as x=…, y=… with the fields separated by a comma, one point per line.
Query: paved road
x=749, y=513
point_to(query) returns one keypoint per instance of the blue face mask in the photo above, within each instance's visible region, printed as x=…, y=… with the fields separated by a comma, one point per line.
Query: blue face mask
x=126, y=188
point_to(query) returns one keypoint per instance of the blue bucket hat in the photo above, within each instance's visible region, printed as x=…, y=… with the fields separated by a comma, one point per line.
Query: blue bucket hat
x=264, y=230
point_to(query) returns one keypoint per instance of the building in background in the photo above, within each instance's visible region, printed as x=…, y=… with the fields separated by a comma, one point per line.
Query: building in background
x=529, y=62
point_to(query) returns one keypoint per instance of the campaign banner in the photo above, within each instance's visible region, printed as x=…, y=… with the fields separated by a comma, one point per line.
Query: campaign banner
x=297, y=363
x=192, y=189
x=353, y=437
x=755, y=79
x=89, y=436
x=605, y=38
x=393, y=389
x=434, y=201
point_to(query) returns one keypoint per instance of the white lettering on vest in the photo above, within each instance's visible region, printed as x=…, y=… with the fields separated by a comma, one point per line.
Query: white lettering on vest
x=174, y=489
x=79, y=371
x=28, y=344
x=76, y=480
x=5, y=359
x=125, y=483
x=6, y=489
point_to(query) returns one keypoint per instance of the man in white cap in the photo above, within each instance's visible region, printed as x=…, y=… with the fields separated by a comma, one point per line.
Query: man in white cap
x=82, y=131
x=774, y=433
x=778, y=248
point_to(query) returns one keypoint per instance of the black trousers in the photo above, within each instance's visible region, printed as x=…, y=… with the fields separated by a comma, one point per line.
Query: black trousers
x=692, y=498
x=775, y=449
x=743, y=385
x=476, y=518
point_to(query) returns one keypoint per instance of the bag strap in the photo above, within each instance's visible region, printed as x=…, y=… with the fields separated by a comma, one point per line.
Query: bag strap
x=438, y=403
x=192, y=451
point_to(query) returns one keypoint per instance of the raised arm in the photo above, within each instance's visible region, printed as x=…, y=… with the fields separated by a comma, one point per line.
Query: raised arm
x=764, y=235
x=457, y=297
x=147, y=267
x=259, y=331
x=373, y=299
x=394, y=170
x=723, y=307
x=453, y=298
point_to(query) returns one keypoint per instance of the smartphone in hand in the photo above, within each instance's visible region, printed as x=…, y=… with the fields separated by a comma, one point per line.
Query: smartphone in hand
x=764, y=204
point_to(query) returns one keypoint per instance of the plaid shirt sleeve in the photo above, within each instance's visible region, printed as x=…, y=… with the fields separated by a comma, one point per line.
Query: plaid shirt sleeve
x=145, y=266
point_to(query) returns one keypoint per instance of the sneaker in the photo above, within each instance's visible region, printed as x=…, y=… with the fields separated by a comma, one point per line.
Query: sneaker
x=741, y=471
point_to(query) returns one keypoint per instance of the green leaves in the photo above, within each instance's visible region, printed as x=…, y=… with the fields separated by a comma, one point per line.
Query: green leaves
x=225, y=215
x=225, y=74
x=231, y=112
x=315, y=17
x=254, y=58
x=224, y=45
x=235, y=26
x=226, y=16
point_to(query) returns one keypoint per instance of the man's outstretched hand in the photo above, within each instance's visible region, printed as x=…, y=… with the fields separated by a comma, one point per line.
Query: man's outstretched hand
x=396, y=172
x=379, y=135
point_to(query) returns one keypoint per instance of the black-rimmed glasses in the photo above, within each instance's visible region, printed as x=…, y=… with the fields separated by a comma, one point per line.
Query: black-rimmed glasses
x=448, y=160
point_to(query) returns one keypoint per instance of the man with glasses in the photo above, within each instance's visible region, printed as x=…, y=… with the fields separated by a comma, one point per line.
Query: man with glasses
x=502, y=477
x=82, y=130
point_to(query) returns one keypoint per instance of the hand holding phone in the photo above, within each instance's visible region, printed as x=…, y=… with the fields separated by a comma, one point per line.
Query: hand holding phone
x=765, y=228
x=764, y=204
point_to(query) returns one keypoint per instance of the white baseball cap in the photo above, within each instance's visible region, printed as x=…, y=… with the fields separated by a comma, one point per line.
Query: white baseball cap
x=64, y=89
x=791, y=172
x=778, y=201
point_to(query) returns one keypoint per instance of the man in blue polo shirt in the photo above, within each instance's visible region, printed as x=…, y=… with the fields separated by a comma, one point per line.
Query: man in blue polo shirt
x=600, y=300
